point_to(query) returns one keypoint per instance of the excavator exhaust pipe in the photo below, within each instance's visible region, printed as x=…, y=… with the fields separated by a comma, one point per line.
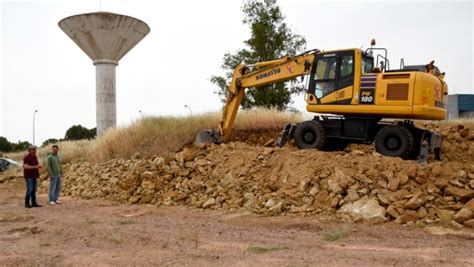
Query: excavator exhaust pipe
x=208, y=137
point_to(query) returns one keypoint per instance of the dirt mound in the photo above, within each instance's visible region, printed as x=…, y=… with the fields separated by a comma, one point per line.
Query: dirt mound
x=258, y=137
x=354, y=184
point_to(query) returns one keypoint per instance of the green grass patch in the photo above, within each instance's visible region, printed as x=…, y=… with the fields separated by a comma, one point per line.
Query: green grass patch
x=262, y=248
x=91, y=221
x=125, y=222
x=335, y=234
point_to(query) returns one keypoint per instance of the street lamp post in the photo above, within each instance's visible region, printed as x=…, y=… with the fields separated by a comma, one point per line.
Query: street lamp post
x=188, y=107
x=34, y=116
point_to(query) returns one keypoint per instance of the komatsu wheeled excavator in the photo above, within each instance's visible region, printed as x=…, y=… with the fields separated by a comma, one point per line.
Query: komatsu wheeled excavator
x=353, y=92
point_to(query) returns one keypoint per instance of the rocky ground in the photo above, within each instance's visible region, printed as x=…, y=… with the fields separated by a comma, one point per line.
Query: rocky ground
x=98, y=232
x=355, y=184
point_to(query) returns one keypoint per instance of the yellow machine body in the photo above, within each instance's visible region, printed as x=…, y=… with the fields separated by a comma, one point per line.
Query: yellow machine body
x=396, y=94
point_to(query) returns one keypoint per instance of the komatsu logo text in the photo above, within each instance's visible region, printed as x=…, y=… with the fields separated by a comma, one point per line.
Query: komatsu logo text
x=268, y=74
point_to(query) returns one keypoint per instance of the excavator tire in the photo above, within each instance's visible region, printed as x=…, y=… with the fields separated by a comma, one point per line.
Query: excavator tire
x=395, y=141
x=310, y=134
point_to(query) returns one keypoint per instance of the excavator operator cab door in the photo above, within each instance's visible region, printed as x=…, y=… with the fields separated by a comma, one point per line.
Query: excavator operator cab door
x=332, y=79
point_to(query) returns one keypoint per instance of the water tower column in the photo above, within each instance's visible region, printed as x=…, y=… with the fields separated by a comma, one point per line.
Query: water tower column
x=106, y=113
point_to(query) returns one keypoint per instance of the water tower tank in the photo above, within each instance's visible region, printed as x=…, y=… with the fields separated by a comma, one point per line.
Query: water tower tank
x=105, y=37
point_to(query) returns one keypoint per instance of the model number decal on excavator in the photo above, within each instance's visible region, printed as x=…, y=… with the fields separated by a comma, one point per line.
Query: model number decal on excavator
x=268, y=74
x=366, y=96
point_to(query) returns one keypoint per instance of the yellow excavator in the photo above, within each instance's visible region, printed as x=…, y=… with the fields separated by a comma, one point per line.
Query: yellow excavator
x=352, y=91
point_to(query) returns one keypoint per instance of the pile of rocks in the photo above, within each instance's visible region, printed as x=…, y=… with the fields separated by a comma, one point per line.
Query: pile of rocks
x=353, y=184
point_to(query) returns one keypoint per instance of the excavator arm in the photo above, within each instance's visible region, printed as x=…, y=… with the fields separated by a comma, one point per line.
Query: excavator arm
x=267, y=72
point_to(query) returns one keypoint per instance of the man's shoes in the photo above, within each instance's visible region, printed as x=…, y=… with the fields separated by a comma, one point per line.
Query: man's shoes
x=58, y=202
x=52, y=203
x=28, y=206
x=36, y=206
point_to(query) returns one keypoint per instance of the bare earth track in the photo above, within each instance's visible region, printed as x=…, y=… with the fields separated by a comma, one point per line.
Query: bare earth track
x=97, y=232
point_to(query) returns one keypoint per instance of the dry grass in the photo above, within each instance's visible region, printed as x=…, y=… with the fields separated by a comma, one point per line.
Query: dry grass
x=147, y=137
x=70, y=151
x=152, y=136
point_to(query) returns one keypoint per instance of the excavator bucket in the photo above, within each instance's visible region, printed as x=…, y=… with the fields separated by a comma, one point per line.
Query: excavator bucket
x=286, y=134
x=208, y=137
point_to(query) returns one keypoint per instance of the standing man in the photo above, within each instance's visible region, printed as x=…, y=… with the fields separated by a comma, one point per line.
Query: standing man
x=31, y=169
x=54, y=172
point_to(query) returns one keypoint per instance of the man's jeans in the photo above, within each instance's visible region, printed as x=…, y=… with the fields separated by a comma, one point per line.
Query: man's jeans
x=54, y=188
x=31, y=186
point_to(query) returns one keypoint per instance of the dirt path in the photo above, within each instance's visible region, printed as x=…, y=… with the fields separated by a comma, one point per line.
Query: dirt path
x=95, y=232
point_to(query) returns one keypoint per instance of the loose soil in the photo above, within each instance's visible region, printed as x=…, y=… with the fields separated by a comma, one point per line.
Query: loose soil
x=100, y=233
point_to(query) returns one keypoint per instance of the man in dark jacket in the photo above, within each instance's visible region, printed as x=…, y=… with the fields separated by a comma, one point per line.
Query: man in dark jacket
x=31, y=169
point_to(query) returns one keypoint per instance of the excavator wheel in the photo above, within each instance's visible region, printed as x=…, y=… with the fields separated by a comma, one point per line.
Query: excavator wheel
x=310, y=134
x=394, y=141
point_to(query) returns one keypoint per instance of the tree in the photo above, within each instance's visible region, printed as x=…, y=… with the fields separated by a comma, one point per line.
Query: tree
x=78, y=132
x=5, y=145
x=93, y=132
x=20, y=146
x=50, y=141
x=270, y=39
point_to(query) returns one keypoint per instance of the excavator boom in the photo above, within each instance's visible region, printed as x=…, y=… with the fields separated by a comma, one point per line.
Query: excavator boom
x=264, y=73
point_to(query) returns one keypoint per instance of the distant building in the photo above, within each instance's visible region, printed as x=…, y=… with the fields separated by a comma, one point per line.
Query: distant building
x=460, y=106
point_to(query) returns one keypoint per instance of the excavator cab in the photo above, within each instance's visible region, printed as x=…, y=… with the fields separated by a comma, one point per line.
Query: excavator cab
x=335, y=76
x=332, y=78
x=360, y=83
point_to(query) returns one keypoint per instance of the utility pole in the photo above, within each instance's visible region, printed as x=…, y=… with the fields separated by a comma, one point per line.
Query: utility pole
x=34, y=117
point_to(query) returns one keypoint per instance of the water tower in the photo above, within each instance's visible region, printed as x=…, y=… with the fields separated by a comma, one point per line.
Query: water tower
x=105, y=37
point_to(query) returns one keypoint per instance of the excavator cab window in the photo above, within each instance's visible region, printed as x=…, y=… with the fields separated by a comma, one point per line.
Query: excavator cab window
x=325, y=75
x=347, y=64
x=332, y=71
x=367, y=64
x=346, y=70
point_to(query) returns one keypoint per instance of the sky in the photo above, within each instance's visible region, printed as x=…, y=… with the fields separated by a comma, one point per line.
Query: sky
x=42, y=69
